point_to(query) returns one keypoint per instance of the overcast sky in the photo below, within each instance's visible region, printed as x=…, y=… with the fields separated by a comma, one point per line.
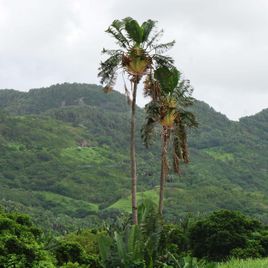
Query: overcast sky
x=221, y=45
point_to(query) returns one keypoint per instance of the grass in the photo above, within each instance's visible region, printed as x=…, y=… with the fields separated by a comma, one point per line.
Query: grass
x=93, y=155
x=67, y=204
x=250, y=263
x=124, y=204
x=219, y=155
x=87, y=154
x=16, y=146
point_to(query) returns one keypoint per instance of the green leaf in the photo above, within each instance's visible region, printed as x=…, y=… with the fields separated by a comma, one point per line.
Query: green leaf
x=116, y=30
x=134, y=31
x=154, y=38
x=163, y=61
x=132, y=238
x=161, y=48
x=120, y=247
x=135, y=243
x=108, y=69
x=104, y=243
x=168, y=78
x=147, y=27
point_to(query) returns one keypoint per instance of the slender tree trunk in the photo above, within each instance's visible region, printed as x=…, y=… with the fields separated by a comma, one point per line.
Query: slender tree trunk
x=133, y=155
x=164, y=168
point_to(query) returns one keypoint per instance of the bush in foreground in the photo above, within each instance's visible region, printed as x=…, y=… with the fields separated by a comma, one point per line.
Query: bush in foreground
x=20, y=243
x=227, y=233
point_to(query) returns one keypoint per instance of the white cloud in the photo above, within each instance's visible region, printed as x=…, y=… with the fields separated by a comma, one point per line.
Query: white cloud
x=221, y=45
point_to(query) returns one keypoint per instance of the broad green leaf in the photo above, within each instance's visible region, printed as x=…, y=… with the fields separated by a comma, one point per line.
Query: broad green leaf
x=168, y=78
x=122, y=251
x=132, y=238
x=134, y=31
x=104, y=243
x=147, y=27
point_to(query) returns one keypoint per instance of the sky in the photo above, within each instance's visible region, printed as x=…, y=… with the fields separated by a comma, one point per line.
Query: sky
x=221, y=45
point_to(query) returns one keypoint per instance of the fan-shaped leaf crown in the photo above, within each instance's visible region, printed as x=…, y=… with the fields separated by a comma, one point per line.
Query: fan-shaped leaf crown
x=168, y=78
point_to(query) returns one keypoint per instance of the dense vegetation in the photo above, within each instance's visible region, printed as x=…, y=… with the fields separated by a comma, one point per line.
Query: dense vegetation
x=216, y=237
x=20, y=244
x=64, y=159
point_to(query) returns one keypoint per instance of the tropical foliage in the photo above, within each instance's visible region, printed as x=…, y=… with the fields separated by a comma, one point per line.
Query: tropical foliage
x=149, y=244
x=152, y=243
x=64, y=159
x=20, y=244
x=227, y=233
x=139, y=54
x=170, y=98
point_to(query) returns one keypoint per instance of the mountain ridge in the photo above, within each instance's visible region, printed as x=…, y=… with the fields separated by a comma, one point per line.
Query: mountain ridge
x=33, y=90
x=69, y=142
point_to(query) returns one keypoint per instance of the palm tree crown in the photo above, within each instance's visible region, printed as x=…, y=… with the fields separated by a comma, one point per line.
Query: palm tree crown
x=170, y=96
x=138, y=54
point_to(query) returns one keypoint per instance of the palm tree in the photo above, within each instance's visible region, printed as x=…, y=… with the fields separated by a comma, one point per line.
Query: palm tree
x=170, y=96
x=138, y=54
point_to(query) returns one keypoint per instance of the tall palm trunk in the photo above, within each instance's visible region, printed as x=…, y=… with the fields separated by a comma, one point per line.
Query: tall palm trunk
x=164, y=168
x=133, y=155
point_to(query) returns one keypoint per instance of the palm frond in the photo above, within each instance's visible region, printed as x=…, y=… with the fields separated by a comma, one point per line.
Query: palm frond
x=108, y=70
x=151, y=87
x=147, y=29
x=162, y=60
x=162, y=48
x=126, y=20
x=185, y=119
x=111, y=52
x=183, y=101
x=176, y=162
x=188, y=119
x=147, y=131
x=184, y=145
x=116, y=30
x=183, y=94
x=168, y=78
x=154, y=39
x=134, y=30
x=181, y=136
x=185, y=86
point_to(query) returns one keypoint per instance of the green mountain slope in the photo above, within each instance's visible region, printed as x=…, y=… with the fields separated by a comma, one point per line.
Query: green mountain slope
x=64, y=156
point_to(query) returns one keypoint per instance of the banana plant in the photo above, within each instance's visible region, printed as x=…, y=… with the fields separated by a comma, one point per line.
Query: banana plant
x=138, y=54
x=137, y=245
x=140, y=246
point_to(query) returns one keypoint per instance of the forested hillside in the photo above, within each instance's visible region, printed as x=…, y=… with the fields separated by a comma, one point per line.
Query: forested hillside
x=64, y=158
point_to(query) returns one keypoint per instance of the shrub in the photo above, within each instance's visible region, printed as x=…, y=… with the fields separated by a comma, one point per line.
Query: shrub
x=70, y=253
x=217, y=235
x=20, y=243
